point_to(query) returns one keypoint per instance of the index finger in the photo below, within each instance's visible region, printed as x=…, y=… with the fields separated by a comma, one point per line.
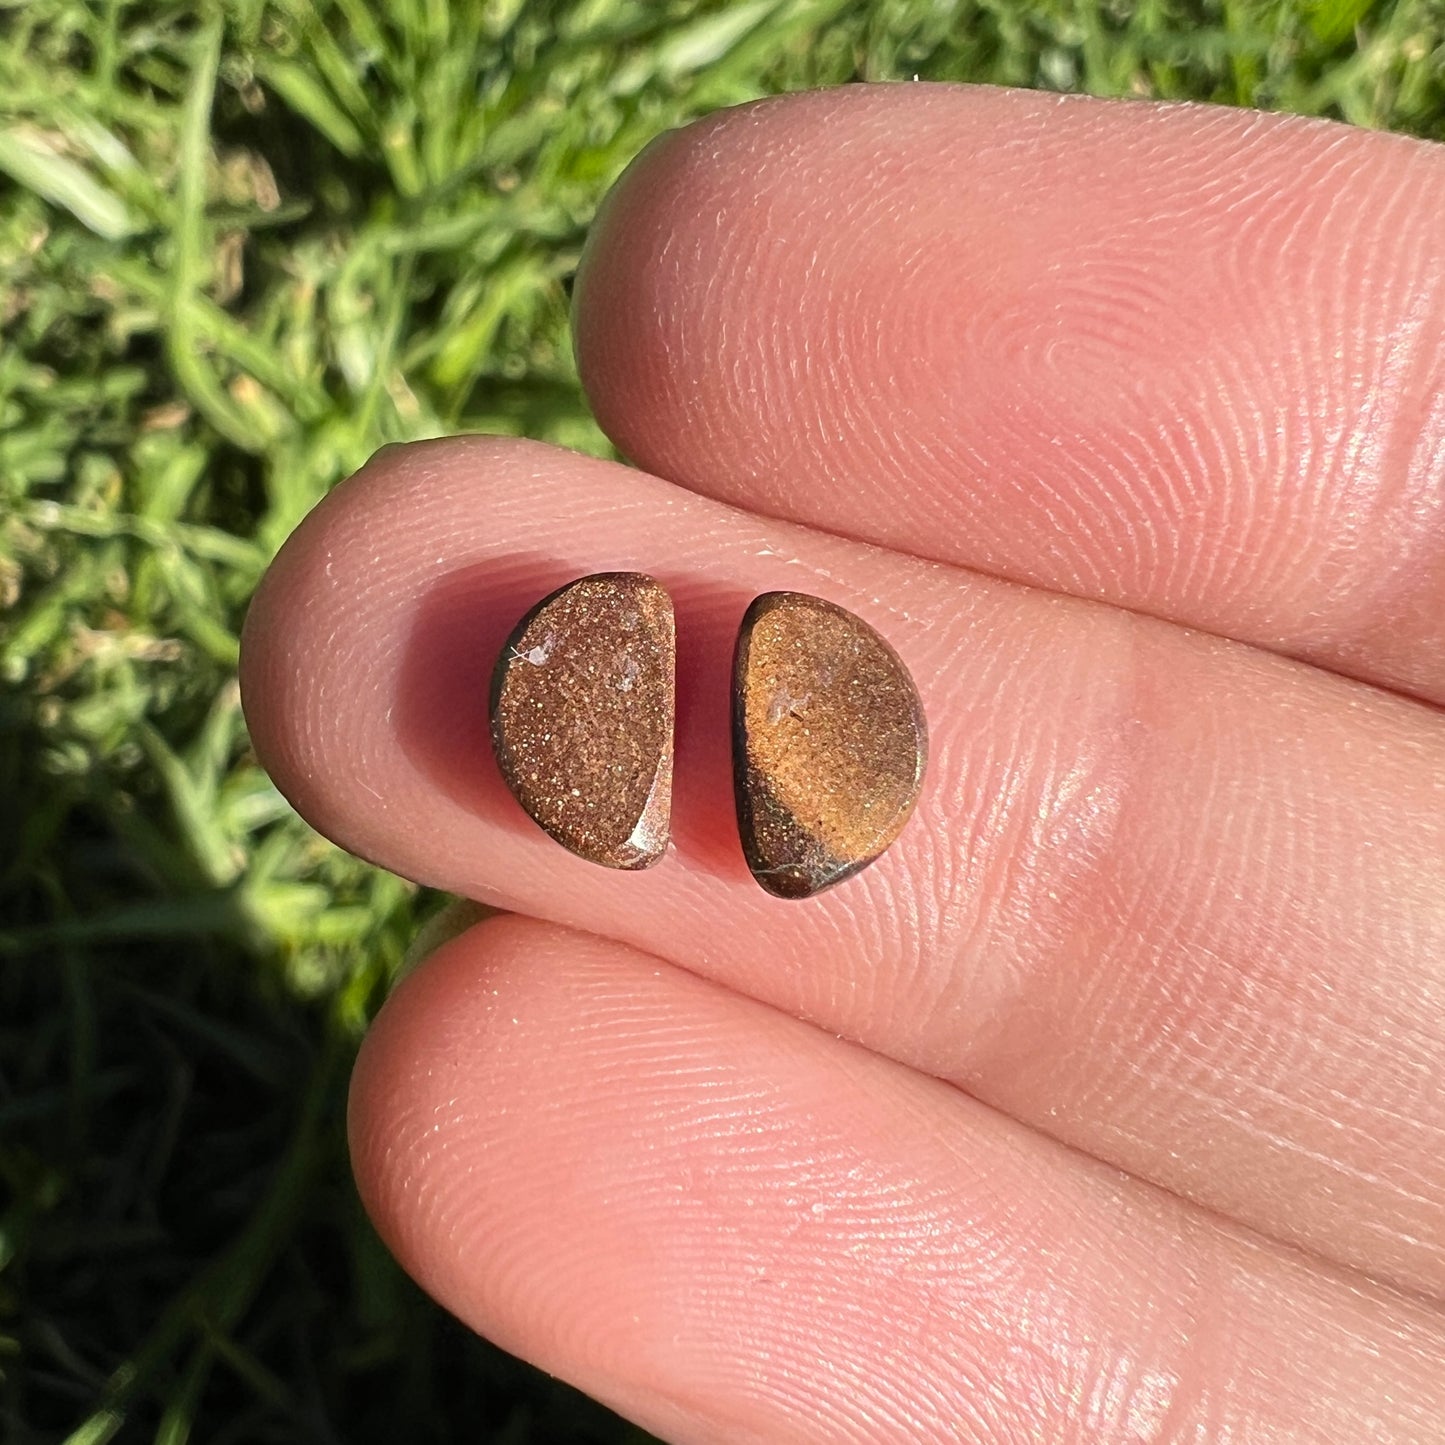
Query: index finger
x=1185, y=359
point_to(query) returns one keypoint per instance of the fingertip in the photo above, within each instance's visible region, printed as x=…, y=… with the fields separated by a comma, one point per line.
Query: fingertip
x=294, y=589
x=333, y=589
x=684, y=253
x=1181, y=358
x=428, y=1038
x=515, y=1186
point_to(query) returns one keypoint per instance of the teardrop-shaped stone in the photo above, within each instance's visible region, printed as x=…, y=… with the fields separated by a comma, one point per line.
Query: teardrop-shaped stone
x=582, y=717
x=829, y=743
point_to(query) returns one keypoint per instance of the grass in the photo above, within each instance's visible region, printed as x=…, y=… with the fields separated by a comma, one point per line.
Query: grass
x=241, y=246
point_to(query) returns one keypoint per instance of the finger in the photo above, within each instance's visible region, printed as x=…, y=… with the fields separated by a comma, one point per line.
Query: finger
x=1189, y=360
x=730, y=1226
x=1179, y=902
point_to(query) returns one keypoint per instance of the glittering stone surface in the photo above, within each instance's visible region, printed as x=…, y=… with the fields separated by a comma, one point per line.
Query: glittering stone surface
x=829, y=743
x=582, y=717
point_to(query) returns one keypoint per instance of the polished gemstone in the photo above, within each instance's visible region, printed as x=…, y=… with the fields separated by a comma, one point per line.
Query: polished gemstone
x=829, y=743
x=582, y=717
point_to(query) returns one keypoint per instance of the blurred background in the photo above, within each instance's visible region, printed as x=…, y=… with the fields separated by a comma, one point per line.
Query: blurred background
x=242, y=244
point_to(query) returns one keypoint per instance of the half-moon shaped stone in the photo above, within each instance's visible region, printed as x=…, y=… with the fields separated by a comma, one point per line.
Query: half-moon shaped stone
x=582, y=717
x=829, y=743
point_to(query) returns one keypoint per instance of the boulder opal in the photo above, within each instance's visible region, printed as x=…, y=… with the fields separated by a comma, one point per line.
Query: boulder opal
x=582, y=717
x=829, y=743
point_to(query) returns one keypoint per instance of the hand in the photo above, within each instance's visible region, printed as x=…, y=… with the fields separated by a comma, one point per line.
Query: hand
x=1110, y=1104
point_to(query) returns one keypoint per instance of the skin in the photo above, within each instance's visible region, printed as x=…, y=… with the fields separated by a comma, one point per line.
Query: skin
x=1110, y=1104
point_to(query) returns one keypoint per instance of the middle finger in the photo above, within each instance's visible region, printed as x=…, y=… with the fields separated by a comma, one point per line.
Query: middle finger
x=1172, y=900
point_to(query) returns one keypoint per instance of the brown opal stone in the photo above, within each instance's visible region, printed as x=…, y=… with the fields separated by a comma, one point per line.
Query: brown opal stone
x=582, y=717
x=829, y=743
